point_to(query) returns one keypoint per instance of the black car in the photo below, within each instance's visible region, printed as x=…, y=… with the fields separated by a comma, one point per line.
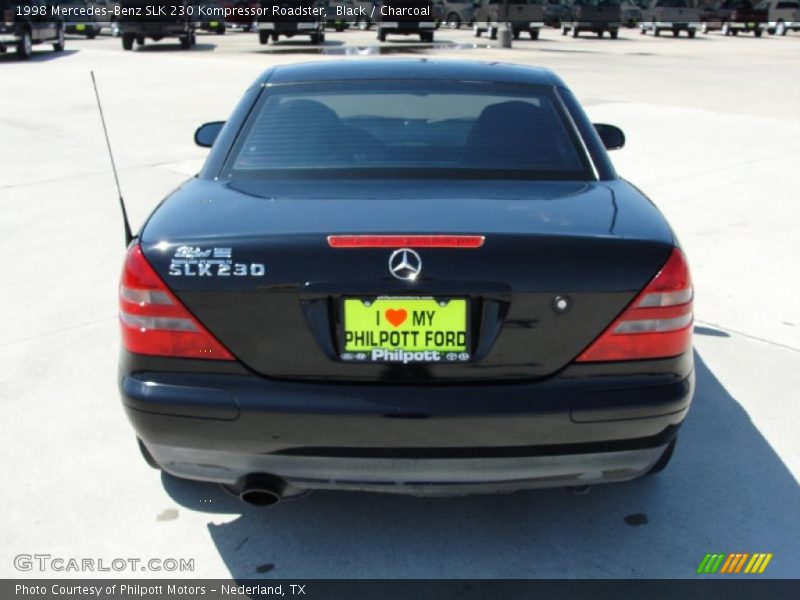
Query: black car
x=406, y=17
x=412, y=276
x=80, y=18
x=339, y=14
x=210, y=17
x=290, y=18
x=141, y=19
x=26, y=23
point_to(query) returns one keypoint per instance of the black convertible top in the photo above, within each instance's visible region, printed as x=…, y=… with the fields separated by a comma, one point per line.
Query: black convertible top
x=388, y=69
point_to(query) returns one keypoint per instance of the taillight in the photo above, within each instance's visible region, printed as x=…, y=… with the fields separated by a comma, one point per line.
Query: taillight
x=8, y=17
x=154, y=321
x=657, y=324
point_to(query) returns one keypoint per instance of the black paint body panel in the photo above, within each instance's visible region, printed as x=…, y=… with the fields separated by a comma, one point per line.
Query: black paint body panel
x=597, y=243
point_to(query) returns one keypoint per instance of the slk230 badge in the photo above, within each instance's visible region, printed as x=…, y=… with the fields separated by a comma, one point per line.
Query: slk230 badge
x=190, y=261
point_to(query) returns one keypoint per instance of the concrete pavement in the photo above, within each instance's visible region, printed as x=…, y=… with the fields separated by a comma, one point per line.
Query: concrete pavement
x=712, y=127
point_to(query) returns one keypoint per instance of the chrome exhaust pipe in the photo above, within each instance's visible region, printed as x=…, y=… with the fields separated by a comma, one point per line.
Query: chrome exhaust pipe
x=261, y=489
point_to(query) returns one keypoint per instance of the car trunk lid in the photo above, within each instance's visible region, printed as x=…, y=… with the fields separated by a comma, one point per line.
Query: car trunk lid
x=278, y=306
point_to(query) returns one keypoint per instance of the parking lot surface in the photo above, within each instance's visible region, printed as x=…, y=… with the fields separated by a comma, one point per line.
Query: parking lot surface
x=713, y=133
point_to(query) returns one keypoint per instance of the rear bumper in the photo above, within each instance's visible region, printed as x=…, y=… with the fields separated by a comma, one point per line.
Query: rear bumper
x=578, y=427
x=748, y=25
x=291, y=27
x=82, y=28
x=406, y=26
x=416, y=476
x=526, y=26
x=155, y=29
x=675, y=25
x=597, y=25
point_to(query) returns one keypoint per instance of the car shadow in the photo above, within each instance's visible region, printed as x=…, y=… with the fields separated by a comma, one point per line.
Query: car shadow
x=710, y=331
x=413, y=40
x=37, y=56
x=726, y=490
x=593, y=37
x=539, y=40
x=174, y=47
x=290, y=43
x=683, y=37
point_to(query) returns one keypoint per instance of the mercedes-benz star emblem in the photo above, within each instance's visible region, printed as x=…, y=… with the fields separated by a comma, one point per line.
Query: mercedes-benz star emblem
x=405, y=264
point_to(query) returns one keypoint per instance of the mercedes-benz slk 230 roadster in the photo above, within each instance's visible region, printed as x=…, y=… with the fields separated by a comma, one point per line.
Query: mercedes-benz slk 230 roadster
x=412, y=276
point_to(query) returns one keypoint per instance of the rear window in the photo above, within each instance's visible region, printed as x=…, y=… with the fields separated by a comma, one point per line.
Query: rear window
x=416, y=128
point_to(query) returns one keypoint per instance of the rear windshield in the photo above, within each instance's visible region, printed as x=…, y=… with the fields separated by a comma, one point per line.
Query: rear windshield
x=416, y=128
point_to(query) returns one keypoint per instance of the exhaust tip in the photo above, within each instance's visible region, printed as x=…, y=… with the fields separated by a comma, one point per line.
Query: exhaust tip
x=262, y=490
x=260, y=497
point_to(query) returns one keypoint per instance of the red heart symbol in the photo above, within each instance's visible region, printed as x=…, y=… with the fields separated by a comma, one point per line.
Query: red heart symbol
x=396, y=317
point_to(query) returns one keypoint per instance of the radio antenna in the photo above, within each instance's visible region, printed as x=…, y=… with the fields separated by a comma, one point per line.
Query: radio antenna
x=128, y=234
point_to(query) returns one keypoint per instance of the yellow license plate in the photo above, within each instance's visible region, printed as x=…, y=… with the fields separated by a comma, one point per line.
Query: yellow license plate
x=405, y=330
x=80, y=27
x=213, y=24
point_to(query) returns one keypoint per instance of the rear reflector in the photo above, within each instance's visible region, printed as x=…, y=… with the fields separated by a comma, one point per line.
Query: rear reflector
x=405, y=241
x=657, y=324
x=154, y=321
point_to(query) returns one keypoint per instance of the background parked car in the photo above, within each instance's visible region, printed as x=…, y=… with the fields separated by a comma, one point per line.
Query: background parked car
x=366, y=17
x=77, y=24
x=782, y=15
x=237, y=21
x=176, y=23
x=21, y=33
x=458, y=13
x=555, y=11
x=733, y=16
x=108, y=21
x=273, y=26
x=596, y=16
x=630, y=13
x=438, y=12
x=524, y=15
x=338, y=21
x=670, y=15
x=214, y=24
x=394, y=24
